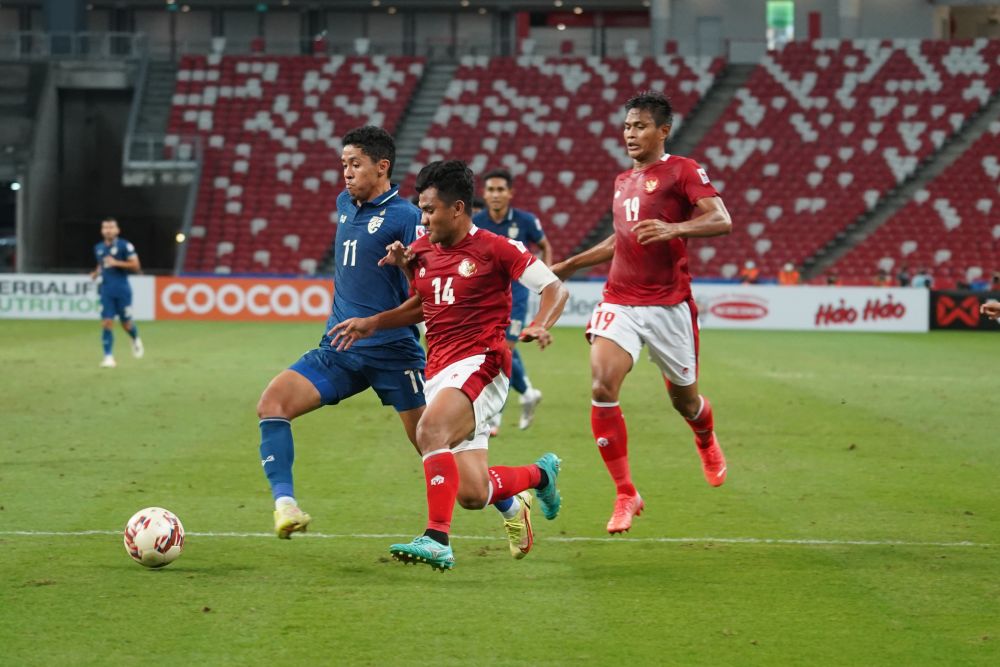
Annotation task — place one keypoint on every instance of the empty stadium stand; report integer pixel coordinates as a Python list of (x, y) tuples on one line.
[(555, 123), (823, 130), (270, 128), (951, 227)]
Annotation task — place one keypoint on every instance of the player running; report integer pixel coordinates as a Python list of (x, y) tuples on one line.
[(461, 285), (116, 258), (503, 219), (370, 215), (658, 204)]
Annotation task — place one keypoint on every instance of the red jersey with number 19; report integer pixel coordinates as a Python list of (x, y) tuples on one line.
[(465, 290), (655, 274)]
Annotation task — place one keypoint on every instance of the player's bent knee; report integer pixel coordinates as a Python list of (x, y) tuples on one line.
[(602, 392), (472, 499)]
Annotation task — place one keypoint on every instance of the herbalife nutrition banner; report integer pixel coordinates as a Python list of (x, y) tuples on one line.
[(64, 297)]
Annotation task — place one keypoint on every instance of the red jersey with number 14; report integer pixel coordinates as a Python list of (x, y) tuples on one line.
[(465, 290), (655, 274)]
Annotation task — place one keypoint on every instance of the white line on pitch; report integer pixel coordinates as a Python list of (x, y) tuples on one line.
[(557, 538)]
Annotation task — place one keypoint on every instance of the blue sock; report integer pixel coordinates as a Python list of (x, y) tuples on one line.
[(277, 453), (517, 379), (108, 339), (504, 505), (134, 331)]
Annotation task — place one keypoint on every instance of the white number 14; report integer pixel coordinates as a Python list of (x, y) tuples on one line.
[(446, 295)]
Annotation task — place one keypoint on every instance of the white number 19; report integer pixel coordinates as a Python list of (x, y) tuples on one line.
[(631, 209)]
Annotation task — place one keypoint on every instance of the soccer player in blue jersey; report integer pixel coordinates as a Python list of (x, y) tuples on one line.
[(371, 215), (116, 258), (501, 218)]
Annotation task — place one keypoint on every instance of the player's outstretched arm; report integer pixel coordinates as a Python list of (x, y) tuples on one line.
[(599, 254), (554, 297), (991, 309), (344, 334), (714, 220)]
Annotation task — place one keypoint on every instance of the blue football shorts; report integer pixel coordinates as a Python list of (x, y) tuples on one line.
[(116, 304), (339, 375)]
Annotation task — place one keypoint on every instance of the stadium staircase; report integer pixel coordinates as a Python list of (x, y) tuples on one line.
[(157, 97), (824, 130), (945, 219)]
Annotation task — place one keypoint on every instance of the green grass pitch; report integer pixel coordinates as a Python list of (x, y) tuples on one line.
[(859, 524)]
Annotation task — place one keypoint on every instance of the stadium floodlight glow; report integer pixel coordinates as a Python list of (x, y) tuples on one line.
[(464, 3), (185, 8), (482, 10), (15, 186), (376, 3), (392, 10), (558, 3), (180, 238), (561, 26), (578, 10)]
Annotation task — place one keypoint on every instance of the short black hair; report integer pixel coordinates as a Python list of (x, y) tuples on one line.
[(655, 103), (109, 218), (374, 142), (499, 173), (452, 178)]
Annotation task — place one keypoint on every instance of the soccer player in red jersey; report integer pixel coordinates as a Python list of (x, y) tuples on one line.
[(461, 280), (659, 203)]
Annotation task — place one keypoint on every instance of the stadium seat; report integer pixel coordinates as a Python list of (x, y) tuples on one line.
[(270, 127)]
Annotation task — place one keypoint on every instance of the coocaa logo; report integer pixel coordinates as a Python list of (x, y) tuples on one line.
[(244, 299)]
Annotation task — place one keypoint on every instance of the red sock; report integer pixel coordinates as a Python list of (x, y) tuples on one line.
[(441, 475), (611, 436), (509, 481), (703, 424)]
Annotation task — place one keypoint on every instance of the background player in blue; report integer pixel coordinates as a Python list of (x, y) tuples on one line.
[(370, 215), (116, 258), (501, 218)]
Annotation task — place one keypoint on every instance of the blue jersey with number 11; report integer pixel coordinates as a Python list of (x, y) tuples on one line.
[(361, 287)]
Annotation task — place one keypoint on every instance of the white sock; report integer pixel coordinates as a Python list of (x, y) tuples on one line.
[(284, 501), (514, 508)]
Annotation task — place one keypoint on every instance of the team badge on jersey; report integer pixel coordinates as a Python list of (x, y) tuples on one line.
[(423, 271), (650, 185), (704, 176), (421, 230), (512, 231), (618, 193), (375, 223), (466, 268)]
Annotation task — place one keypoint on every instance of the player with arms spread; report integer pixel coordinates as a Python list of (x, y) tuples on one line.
[(116, 258), (659, 203), (503, 219), (371, 215), (461, 278)]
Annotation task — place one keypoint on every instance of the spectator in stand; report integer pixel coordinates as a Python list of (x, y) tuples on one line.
[(789, 275), (749, 274), (995, 283), (923, 278), (833, 279), (883, 279), (904, 276)]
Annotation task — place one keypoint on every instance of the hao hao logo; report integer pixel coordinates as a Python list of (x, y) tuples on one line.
[(738, 307)]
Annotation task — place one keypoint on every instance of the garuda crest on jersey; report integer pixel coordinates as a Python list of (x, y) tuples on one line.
[(375, 223), (466, 268), (650, 185)]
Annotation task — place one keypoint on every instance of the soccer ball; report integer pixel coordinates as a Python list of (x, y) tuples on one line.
[(154, 537)]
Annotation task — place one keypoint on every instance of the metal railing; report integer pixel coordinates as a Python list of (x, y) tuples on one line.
[(36, 45)]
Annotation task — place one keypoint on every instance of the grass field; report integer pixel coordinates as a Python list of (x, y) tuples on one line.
[(858, 526)]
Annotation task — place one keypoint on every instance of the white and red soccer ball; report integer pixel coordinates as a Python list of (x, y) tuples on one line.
[(154, 537)]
